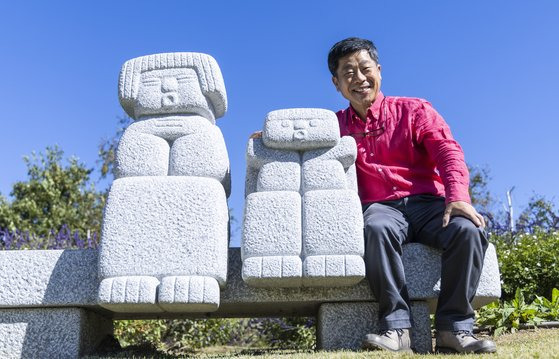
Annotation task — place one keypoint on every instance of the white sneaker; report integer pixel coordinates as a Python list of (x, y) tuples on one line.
[(462, 341), (395, 340)]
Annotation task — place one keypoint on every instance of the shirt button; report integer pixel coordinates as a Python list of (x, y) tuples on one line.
[(394, 188), (380, 169)]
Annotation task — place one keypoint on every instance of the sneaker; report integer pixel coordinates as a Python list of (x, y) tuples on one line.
[(462, 341), (395, 340)]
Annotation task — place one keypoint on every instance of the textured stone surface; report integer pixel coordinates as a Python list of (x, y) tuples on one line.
[(174, 146), (272, 224), (118, 292), (325, 169), (237, 299), (48, 278), (426, 283), (344, 325), (50, 332), (301, 155), (163, 226), (170, 83), (301, 129), (189, 293)]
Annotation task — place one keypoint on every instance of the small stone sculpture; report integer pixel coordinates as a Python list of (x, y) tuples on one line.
[(165, 230), (303, 223)]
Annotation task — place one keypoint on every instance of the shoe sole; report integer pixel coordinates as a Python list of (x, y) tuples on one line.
[(445, 350), (371, 346)]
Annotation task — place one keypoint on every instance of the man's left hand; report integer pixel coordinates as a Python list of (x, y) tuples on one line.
[(464, 209)]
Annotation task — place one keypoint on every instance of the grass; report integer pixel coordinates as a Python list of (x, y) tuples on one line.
[(535, 343)]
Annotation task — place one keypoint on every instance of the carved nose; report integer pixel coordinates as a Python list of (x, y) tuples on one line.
[(169, 84), (299, 125)]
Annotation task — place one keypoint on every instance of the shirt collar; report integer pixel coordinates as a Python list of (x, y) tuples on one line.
[(373, 113)]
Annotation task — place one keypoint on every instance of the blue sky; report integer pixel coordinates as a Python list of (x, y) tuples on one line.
[(489, 67)]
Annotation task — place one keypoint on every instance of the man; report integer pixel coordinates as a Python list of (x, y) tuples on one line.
[(413, 185)]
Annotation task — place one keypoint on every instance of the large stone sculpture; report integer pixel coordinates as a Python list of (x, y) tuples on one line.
[(165, 228), (303, 223)]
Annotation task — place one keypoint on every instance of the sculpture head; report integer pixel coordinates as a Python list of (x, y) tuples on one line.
[(172, 83), (301, 129)]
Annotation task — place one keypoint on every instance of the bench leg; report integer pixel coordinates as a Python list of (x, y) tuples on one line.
[(344, 325), (51, 332)]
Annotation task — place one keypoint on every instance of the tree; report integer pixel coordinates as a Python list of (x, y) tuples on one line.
[(53, 196), (540, 213), (479, 193), (107, 148)]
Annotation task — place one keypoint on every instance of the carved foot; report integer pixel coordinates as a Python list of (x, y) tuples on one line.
[(189, 294), (272, 271), (333, 270), (133, 294)]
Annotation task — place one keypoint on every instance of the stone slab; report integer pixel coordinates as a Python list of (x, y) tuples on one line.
[(237, 299), (33, 278), (344, 325), (50, 332)]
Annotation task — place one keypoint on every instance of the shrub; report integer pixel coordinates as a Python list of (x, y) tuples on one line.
[(182, 336), (528, 261), (61, 239)]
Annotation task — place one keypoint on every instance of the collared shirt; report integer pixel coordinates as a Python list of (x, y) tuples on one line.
[(404, 148)]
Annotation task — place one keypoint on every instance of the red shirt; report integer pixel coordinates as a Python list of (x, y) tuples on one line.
[(404, 148)]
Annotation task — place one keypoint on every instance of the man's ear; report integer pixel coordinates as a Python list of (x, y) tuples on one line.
[(335, 82), (379, 71)]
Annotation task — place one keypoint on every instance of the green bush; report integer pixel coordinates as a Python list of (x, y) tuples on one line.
[(182, 336), (530, 262), (504, 316)]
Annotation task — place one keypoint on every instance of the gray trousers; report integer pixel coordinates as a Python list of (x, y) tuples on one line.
[(418, 218)]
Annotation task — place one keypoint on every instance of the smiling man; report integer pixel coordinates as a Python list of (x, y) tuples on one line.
[(413, 185)]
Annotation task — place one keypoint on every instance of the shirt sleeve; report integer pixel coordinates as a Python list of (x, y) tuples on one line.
[(434, 134)]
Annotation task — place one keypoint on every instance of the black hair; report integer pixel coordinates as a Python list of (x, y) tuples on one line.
[(349, 46)]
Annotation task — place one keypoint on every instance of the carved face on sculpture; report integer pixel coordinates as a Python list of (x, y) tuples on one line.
[(170, 91), (301, 129)]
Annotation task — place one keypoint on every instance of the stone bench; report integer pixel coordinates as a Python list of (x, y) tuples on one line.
[(48, 302)]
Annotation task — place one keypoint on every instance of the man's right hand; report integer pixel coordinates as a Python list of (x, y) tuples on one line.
[(257, 134)]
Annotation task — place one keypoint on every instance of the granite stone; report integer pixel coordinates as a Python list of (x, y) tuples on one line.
[(344, 325), (301, 129), (166, 223), (46, 278), (36, 278), (160, 227), (301, 155), (51, 332), (190, 83)]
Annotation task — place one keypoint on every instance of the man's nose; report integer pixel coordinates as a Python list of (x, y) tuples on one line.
[(359, 76), (169, 84), (299, 125)]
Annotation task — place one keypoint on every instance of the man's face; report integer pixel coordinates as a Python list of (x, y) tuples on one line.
[(358, 79)]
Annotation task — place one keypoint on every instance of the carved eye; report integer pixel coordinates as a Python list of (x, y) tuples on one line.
[(151, 82), (314, 123), (186, 78), (285, 123)]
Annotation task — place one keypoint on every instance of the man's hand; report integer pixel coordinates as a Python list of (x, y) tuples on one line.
[(257, 134), (464, 209)]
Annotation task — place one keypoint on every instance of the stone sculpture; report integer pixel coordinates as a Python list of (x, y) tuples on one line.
[(302, 223), (165, 229)]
